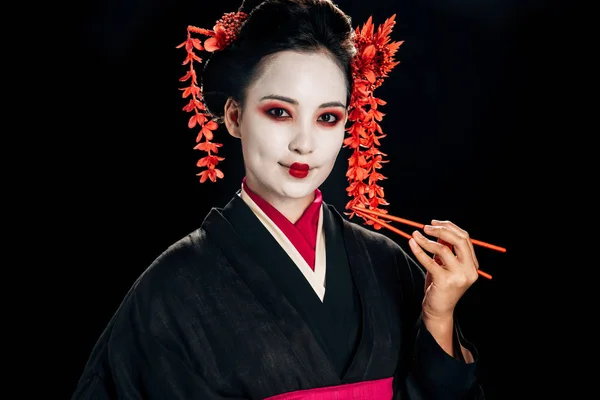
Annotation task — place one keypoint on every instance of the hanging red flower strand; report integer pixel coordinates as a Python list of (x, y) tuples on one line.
[(224, 32), (370, 66)]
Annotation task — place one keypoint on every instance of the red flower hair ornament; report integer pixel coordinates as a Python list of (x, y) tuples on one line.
[(371, 64)]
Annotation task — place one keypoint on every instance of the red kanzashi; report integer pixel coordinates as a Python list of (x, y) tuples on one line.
[(371, 64), (224, 32)]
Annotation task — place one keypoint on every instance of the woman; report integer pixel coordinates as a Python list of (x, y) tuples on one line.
[(277, 296)]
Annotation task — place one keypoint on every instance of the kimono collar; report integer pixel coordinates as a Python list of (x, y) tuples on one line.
[(302, 234)]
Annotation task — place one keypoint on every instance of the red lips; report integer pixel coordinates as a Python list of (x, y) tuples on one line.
[(299, 170)]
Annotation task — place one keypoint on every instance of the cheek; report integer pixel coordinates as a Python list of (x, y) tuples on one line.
[(263, 139), (333, 143)]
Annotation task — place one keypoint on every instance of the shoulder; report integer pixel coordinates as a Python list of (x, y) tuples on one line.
[(189, 257), (155, 309), (391, 258), (156, 298)]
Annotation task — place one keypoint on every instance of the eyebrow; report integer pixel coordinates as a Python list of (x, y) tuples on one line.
[(295, 102)]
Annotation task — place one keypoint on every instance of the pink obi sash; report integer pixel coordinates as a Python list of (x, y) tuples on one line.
[(379, 389)]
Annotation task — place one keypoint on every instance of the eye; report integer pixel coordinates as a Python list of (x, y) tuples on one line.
[(278, 112), (328, 118)]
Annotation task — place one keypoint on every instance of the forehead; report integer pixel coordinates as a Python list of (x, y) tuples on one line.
[(301, 76)]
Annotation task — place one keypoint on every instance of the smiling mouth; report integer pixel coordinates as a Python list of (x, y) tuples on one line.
[(298, 170)]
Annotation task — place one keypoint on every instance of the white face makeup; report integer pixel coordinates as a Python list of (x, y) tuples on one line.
[(294, 113)]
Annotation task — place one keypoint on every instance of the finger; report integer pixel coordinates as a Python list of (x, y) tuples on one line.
[(442, 251), (459, 230), (448, 223), (436, 257), (424, 259), (458, 241)]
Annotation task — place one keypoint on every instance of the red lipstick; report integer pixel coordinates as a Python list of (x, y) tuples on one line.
[(298, 170)]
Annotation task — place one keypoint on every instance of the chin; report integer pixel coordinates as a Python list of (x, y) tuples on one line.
[(299, 190)]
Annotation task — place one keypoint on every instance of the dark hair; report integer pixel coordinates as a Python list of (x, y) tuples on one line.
[(273, 26)]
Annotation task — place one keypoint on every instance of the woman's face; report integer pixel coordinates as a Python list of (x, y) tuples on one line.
[(293, 118)]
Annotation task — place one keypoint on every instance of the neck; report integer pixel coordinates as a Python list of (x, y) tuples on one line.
[(290, 208)]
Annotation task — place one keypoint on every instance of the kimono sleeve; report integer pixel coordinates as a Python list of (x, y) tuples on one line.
[(145, 371), (428, 371), (143, 355)]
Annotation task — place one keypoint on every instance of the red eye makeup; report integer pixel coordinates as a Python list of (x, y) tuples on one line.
[(275, 110)]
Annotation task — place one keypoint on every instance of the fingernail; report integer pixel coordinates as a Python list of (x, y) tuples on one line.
[(418, 234), (427, 227), (435, 221)]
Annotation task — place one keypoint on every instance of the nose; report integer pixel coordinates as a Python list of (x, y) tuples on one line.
[(303, 141)]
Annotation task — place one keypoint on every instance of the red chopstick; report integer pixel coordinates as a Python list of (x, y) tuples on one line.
[(365, 213), (420, 226)]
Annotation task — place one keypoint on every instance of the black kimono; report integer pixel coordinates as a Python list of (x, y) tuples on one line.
[(225, 314)]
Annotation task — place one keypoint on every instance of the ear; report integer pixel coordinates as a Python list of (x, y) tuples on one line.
[(232, 115)]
